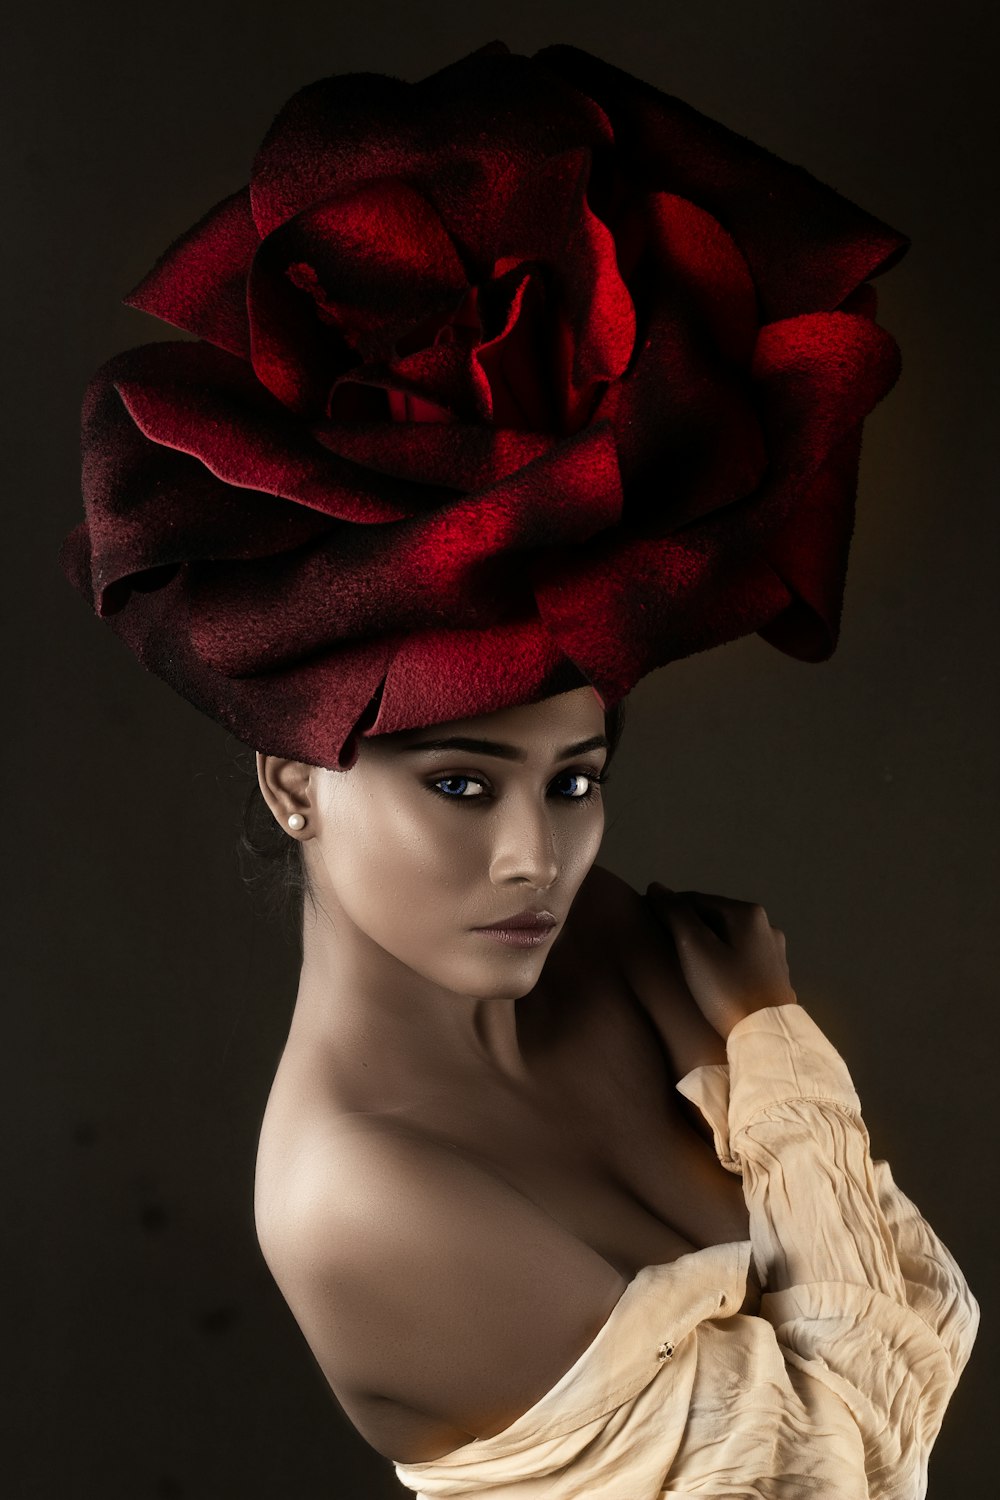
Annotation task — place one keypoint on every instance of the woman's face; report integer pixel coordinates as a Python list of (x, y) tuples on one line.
[(417, 846)]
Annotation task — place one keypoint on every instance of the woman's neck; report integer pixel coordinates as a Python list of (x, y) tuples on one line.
[(362, 1006)]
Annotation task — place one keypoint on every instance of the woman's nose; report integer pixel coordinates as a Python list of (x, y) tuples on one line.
[(525, 848)]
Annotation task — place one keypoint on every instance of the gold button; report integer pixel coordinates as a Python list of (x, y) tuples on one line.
[(665, 1350)]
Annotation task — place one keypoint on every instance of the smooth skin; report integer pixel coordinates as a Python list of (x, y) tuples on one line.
[(401, 999), (412, 849)]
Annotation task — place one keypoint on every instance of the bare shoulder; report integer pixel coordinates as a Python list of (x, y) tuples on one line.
[(424, 1284), (645, 957)]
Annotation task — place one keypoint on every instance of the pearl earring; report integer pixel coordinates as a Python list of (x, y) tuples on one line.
[(296, 820)]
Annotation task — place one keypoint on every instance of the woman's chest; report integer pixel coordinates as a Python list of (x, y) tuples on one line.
[(609, 1151)]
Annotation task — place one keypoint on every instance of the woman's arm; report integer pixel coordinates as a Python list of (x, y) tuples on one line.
[(424, 1283), (862, 1295)]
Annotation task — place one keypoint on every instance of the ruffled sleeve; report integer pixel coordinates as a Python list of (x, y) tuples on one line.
[(860, 1291)]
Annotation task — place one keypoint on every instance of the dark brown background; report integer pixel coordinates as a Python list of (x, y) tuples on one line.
[(146, 1351)]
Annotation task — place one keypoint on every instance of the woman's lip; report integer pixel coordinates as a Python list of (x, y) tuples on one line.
[(520, 937), (521, 924)]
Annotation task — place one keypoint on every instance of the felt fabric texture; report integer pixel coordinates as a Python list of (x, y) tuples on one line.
[(517, 377), (834, 1385)]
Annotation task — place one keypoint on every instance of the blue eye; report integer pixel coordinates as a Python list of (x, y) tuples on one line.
[(452, 795), (592, 777)]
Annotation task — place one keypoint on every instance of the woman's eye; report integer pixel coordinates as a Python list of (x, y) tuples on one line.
[(582, 787), (449, 781), (580, 784)]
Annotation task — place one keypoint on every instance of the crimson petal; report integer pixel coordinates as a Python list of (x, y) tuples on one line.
[(817, 376), (187, 398), (549, 220), (378, 262), (446, 377), (620, 610), (464, 565), (150, 509), (806, 244), (445, 674), (685, 412), (810, 554), (305, 712), (345, 130), (463, 456), (199, 283)]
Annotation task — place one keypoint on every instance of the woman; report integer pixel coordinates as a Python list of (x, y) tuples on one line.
[(510, 387), (415, 1029), (474, 1147)]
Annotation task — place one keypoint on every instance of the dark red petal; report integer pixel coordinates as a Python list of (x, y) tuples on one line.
[(810, 554), (806, 244), (445, 377), (685, 412), (149, 509), (453, 136), (440, 675), (200, 282), (464, 565), (548, 221), (185, 397), (463, 456), (515, 366), (816, 377), (688, 457), (376, 261), (620, 610), (692, 253), (294, 354), (305, 712)]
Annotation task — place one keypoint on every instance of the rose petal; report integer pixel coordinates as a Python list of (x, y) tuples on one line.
[(149, 509), (348, 129), (810, 553), (692, 254), (620, 610), (378, 263), (440, 675), (305, 712), (515, 366), (186, 397), (463, 456), (445, 377), (816, 377), (347, 280), (806, 244), (199, 283), (294, 354), (464, 565), (685, 412), (548, 221)]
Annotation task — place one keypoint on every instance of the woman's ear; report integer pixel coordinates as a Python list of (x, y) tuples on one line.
[(285, 787)]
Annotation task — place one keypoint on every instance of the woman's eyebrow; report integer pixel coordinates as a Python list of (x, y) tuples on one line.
[(505, 752)]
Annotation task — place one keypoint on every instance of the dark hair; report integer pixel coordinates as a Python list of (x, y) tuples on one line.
[(272, 863)]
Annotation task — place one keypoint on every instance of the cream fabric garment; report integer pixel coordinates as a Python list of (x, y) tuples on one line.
[(835, 1388)]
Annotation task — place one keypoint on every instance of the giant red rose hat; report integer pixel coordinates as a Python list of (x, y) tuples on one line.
[(522, 375)]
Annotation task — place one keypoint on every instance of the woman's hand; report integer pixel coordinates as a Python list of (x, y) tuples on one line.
[(733, 959)]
